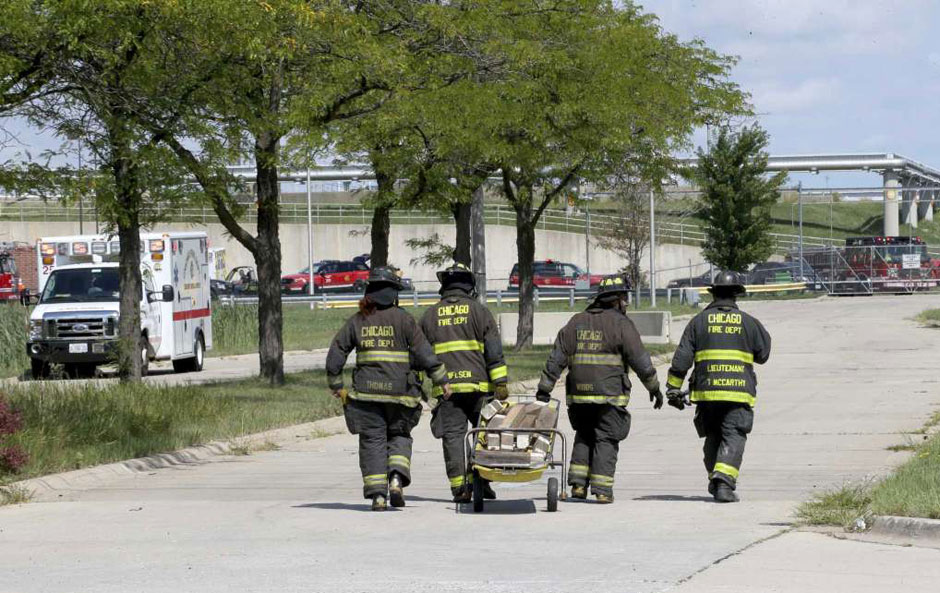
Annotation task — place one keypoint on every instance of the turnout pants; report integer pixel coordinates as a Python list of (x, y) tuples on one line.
[(384, 431), (725, 426), (449, 423), (598, 430)]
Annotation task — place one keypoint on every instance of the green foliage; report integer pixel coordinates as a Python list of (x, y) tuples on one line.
[(13, 327), (737, 197), (435, 253), (837, 507)]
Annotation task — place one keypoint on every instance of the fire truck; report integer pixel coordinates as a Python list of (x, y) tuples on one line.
[(873, 264), (892, 264), (11, 285)]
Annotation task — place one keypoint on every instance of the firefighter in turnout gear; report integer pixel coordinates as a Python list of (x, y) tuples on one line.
[(721, 345), (598, 346), (465, 337), (386, 402)]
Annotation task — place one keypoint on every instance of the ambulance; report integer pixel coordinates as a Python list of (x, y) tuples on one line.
[(75, 322)]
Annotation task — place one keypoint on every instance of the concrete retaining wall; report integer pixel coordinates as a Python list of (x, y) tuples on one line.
[(344, 241), (654, 326)]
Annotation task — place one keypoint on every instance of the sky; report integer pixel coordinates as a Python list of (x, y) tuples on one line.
[(828, 76), (825, 76)]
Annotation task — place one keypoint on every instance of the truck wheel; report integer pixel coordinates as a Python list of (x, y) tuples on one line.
[(194, 363), (39, 369), (144, 356)]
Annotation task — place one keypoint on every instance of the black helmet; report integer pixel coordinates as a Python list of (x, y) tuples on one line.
[(611, 285), (456, 273), (729, 279), (385, 275)]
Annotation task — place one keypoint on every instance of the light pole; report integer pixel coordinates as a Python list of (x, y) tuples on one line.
[(309, 233), (799, 197), (652, 249)]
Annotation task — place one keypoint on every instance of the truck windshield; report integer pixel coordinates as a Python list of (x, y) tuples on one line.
[(82, 286)]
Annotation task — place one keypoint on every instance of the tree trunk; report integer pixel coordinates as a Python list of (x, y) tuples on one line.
[(268, 261), (525, 252), (128, 194), (381, 221), (461, 212), (478, 243)]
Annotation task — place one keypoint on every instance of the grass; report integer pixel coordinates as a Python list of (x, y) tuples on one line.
[(72, 426), (235, 328), (14, 495), (13, 320), (912, 490), (929, 316)]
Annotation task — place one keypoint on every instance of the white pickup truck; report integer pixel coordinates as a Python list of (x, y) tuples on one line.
[(76, 319)]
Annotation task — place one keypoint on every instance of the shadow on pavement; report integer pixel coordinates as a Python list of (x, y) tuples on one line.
[(502, 507), (675, 498), (363, 507)]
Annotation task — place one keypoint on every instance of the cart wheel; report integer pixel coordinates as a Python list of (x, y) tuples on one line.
[(477, 493), (552, 495)]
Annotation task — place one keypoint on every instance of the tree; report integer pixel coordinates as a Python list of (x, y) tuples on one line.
[(736, 198), (628, 234), (594, 87), (81, 69), (286, 68)]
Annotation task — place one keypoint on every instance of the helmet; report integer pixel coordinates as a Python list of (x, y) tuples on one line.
[(729, 279), (456, 273), (611, 285), (385, 275)]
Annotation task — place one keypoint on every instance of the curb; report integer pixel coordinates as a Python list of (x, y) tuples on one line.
[(911, 528), (55, 485)]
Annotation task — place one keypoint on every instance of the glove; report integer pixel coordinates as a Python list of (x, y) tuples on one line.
[(341, 394), (543, 396), (501, 391), (657, 398), (676, 398)]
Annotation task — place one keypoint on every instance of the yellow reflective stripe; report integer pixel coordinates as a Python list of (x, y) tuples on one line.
[(405, 400), (728, 470), (597, 359), (724, 396), (458, 346), (375, 479), (578, 469), (739, 355), (602, 480), (498, 372), (616, 400), (674, 381), (458, 481), (382, 356), (399, 460), (482, 387)]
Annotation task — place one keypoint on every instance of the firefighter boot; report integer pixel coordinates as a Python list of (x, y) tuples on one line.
[(378, 503), (463, 495), (396, 491), (724, 493), (488, 492), (579, 492), (604, 498)]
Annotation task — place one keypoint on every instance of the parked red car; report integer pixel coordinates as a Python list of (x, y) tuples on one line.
[(328, 275), (554, 274)]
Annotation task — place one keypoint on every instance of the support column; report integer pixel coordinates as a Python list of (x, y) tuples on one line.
[(925, 206), (891, 184), (909, 202)]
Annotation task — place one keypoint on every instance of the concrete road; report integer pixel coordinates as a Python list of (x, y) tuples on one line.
[(846, 377)]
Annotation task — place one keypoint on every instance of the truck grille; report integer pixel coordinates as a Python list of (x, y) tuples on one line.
[(84, 327)]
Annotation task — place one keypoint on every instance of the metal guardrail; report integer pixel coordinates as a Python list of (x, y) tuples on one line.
[(756, 288), (667, 231)]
